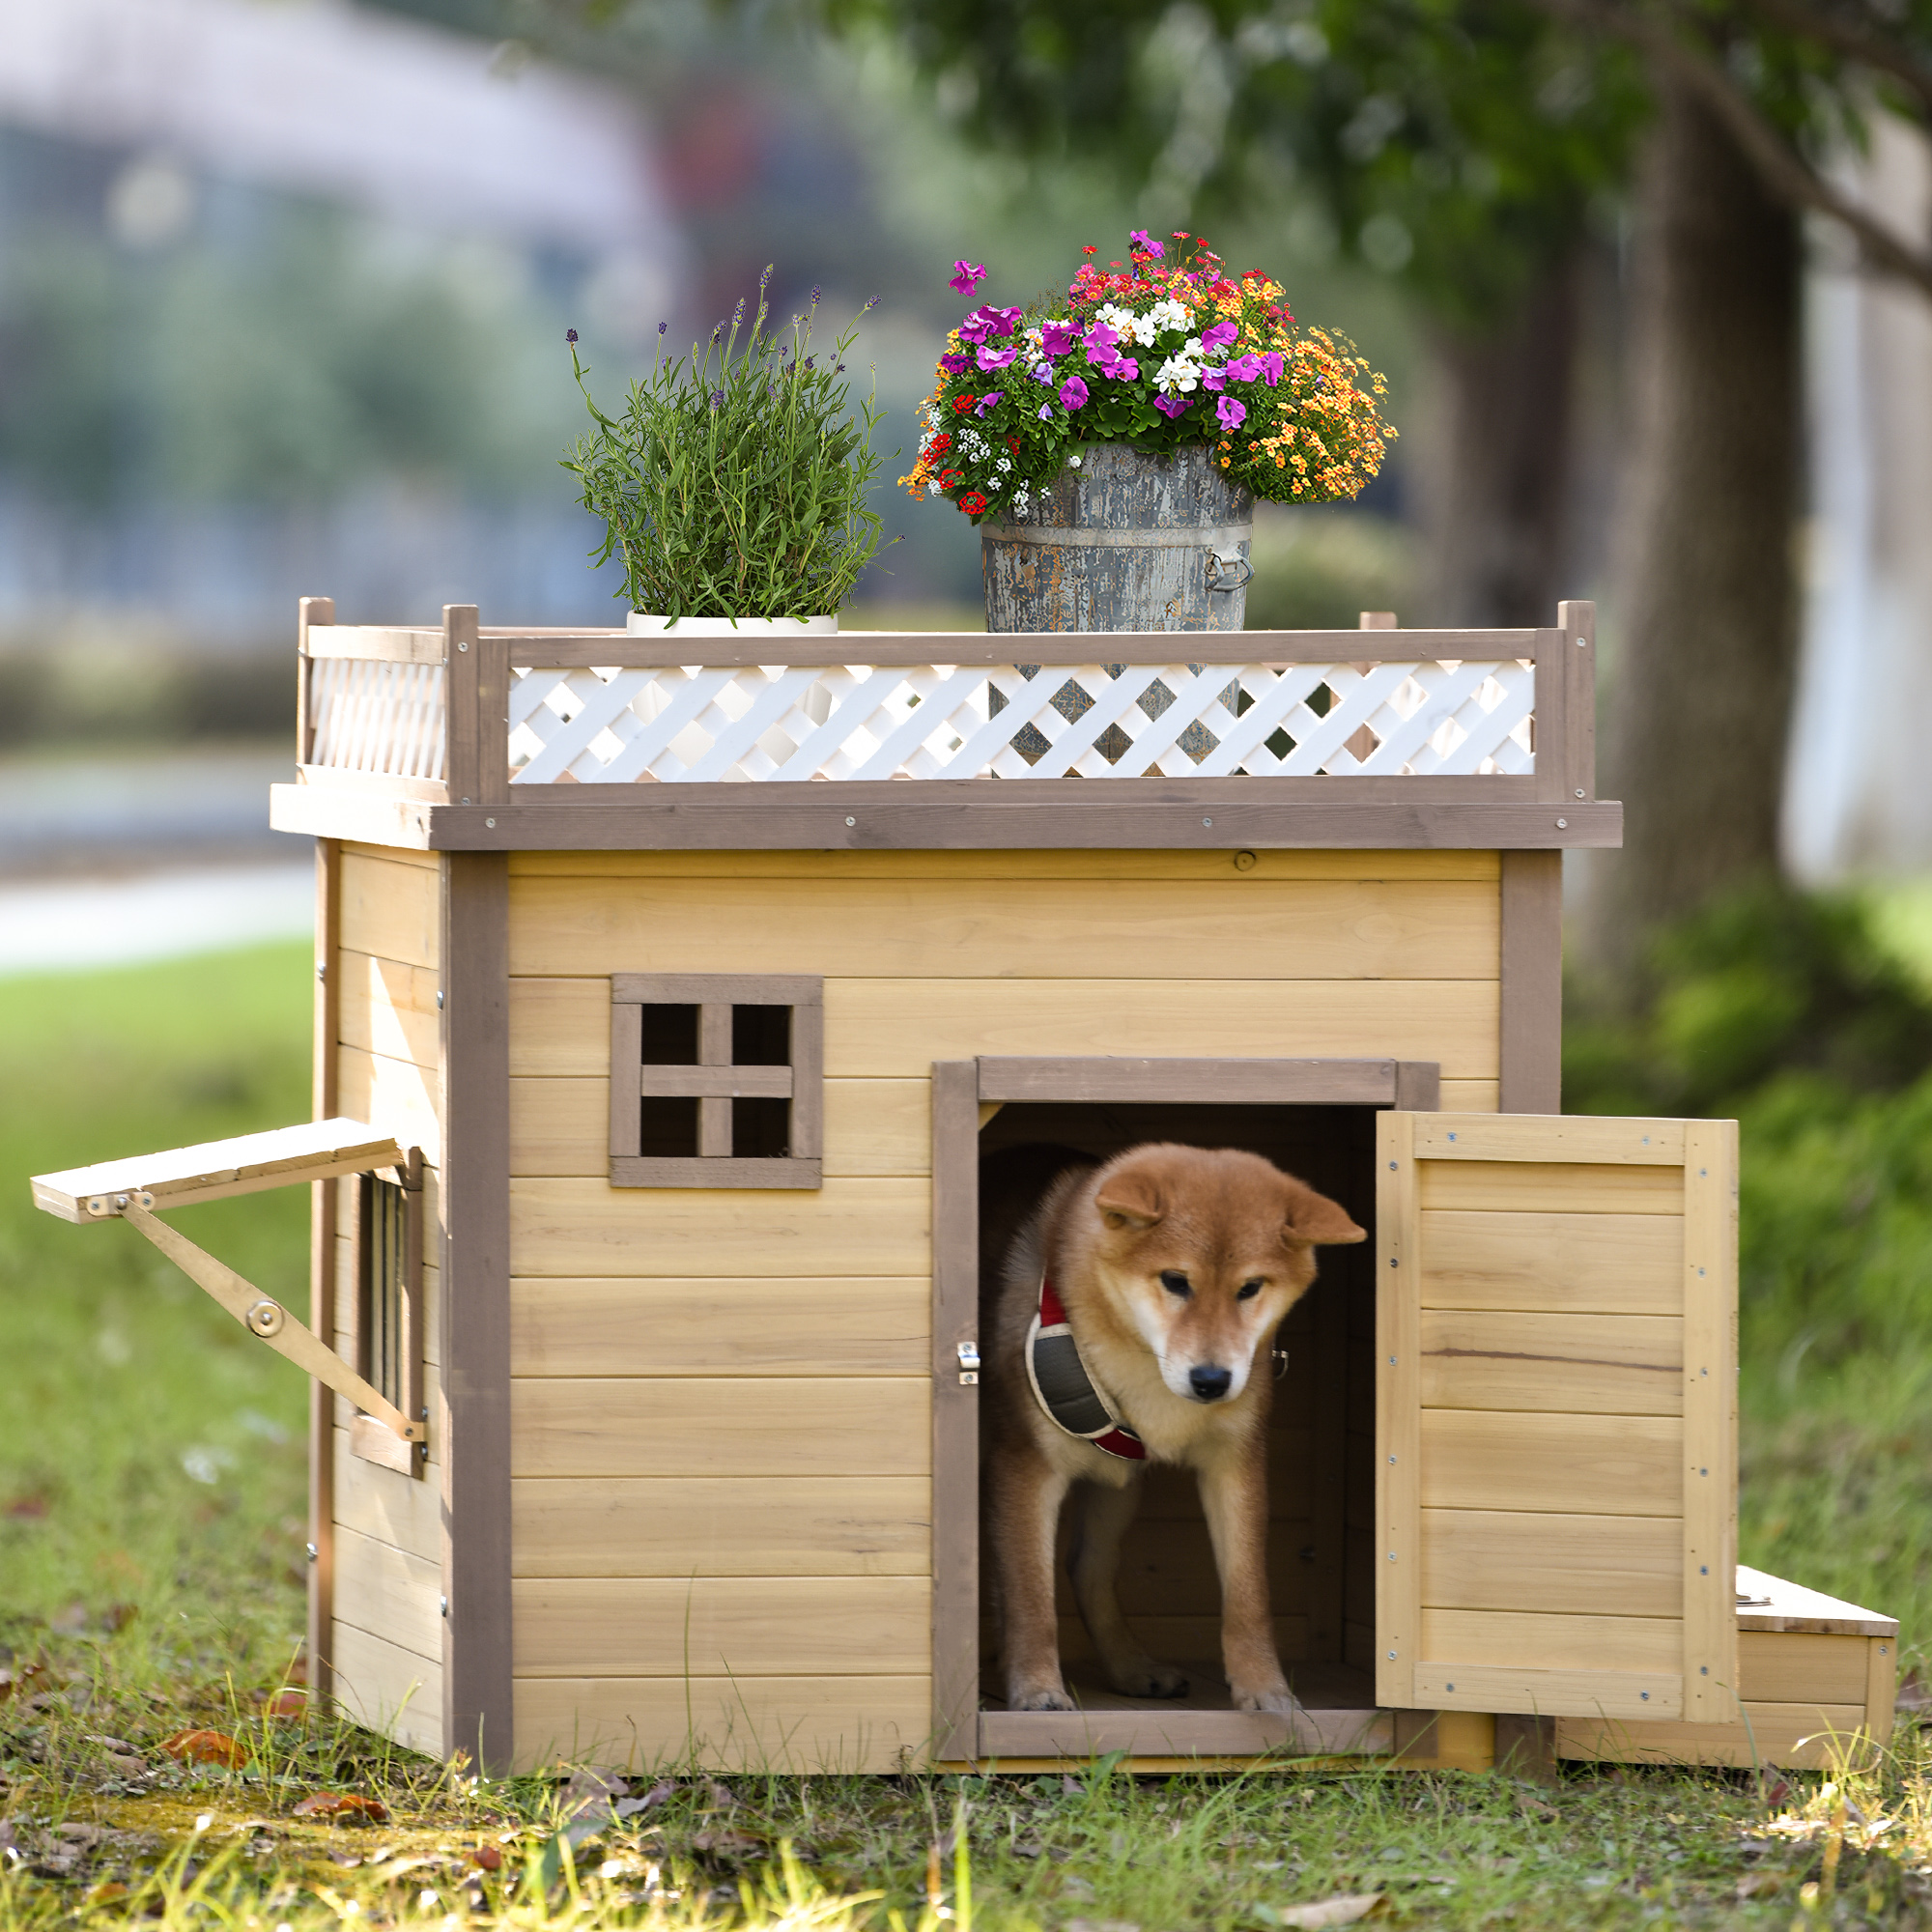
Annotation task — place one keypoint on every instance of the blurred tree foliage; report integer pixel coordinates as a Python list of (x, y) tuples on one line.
[(285, 370)]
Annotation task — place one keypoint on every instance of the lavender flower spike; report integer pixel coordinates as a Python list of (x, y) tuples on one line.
[(569, 334)]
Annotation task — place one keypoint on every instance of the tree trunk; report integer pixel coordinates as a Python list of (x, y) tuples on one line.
[(1496, 476), (1706, 614)]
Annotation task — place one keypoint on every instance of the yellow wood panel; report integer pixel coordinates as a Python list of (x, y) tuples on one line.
[(1563, 1565), (1796, 1737), (1551, 1187), (389, 1009), (1542, 1138), (1881, 1686), (706, 1426), (1514, 1638), (588, 1228), (1793, 1667), (717, 1626), (1018, 865), (385, 1506), (1229, 928), (751, 1326), (1593, 1464), (395, 855), (895, 1029), (393, 1095), (872, 1126), (1574, 1364), (1472, 1096), (1524, 1688), (769, 1526), (1579, 1263), (393, 911), (389, 1592), (388, 1689), (797, 1725)]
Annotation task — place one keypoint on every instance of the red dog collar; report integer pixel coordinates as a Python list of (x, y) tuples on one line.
[(1065, 1390)]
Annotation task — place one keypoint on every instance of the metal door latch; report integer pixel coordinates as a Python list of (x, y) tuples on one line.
[(969, 1364), (1228, 570)]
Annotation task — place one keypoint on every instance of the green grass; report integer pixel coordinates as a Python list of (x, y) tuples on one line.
[(151, 1576)]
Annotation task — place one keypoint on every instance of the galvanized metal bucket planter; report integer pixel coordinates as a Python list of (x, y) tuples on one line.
[(1130, 541)]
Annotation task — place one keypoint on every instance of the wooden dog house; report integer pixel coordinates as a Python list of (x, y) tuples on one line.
[(664, 1015)]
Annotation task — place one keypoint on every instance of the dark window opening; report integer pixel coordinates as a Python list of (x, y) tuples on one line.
[(669, 1037), (761, 1036), (667, 1127)]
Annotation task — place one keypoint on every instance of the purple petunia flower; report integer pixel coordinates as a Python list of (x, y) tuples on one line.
[(1213, 379), (966, 276), (956, 365), (1122, 368), (1233, 414), (1045, 411), (1172, 406), (986, 402), (1057, 337), (1271, 366), (1042, 372), (1099, 341), (1243, 368), (1220, 335), (1146, 244), (996, 359), (974, 328), (1072, 394)]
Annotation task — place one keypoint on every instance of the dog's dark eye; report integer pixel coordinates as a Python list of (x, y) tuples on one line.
[(1176, 1284), (1247, 1290)]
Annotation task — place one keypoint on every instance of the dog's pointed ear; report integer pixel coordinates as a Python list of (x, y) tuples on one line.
[(1314, 1219), (1131, 1199)]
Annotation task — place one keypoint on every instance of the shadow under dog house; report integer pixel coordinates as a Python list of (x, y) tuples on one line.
[(664, 1011)]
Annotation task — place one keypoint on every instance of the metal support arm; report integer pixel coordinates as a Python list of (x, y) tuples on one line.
[(263, 1316)]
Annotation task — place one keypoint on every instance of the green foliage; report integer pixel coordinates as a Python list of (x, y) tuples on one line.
[(286, 371), (1318, 570), (151, 1452), (736, 488)]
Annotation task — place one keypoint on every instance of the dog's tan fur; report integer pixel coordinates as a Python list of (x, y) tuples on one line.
[(1107, 1234)]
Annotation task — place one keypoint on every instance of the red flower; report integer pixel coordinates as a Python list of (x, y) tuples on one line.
[(1013, 443), (1091, 248), (962, 404), (973, 503), (940, 443)]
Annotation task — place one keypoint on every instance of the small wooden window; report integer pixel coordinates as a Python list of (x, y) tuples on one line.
[(389, 1307), (716, 1080)]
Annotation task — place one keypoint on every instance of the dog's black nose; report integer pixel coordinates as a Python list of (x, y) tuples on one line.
[(1210, 1385)]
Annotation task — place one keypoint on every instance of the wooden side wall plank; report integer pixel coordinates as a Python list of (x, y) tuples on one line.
[(1792, 1667), (1590, 1465), (1556, 1564), (390, 1008), (388, 1689), (744, 1626), (1570, 1187), (1710, 1447), (1591, 1138), (1530, 1041), (1399, 1556), (391, 911), (395, 1095), (583, 1227), (797, 1725), (1569, 1694), (684, 1526), (1795, 1737), (389, 1592), (1566, 1364), (477, 1408), (715, 1426), (386, 1507), (1563, 1264), (1015, 928), (742, 1325), (323, 1195), (894, 1029), (1648, 1645)]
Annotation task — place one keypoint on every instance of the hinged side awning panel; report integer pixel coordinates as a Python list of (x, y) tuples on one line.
[(214, 1170)]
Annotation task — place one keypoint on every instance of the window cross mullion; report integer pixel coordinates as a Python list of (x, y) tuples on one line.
[(714, 1049)]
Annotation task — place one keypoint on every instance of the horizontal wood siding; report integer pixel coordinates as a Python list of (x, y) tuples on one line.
[(721, 1403), (388, 1629)]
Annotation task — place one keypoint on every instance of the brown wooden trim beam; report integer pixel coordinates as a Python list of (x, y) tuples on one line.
[(1530, 1043), (715, 1083), (474, 1197), (1254, 1082), (1049, 815)]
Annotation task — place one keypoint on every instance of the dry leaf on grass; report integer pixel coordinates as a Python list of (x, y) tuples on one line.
[(487, 1858), (1344, 1908), (205, 1747), (348, 1807), (286, 1703)]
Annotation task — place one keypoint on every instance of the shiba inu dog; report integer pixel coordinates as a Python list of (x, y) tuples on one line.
[(1130, 1307)]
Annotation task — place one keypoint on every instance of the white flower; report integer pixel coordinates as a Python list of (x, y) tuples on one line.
[(1167, 313), (1073, 462), (932, 489), (1001, 467), (1178, 372)]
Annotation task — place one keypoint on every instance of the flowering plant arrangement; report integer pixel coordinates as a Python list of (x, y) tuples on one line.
[(1161, 352), (736, 488)]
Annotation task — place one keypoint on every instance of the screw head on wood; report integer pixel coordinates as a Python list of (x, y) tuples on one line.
[(266, 1318), (1562, 824)]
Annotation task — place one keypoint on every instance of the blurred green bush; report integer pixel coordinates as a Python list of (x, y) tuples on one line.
[(1318, 570)]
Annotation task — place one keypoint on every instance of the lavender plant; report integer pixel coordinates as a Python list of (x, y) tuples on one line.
[(735, 484)]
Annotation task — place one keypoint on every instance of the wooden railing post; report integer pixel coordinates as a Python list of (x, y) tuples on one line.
[(308, 610), (1577, 622), (461, 681)]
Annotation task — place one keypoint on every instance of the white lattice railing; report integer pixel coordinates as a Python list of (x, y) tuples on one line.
[(368, 716), (689, 725)]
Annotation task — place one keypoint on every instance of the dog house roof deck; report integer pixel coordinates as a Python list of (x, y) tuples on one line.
[(467, 737)]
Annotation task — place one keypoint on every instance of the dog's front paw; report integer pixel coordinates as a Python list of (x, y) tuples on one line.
[(1040, 1697), (1275, 1696), (1145, 1678)]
